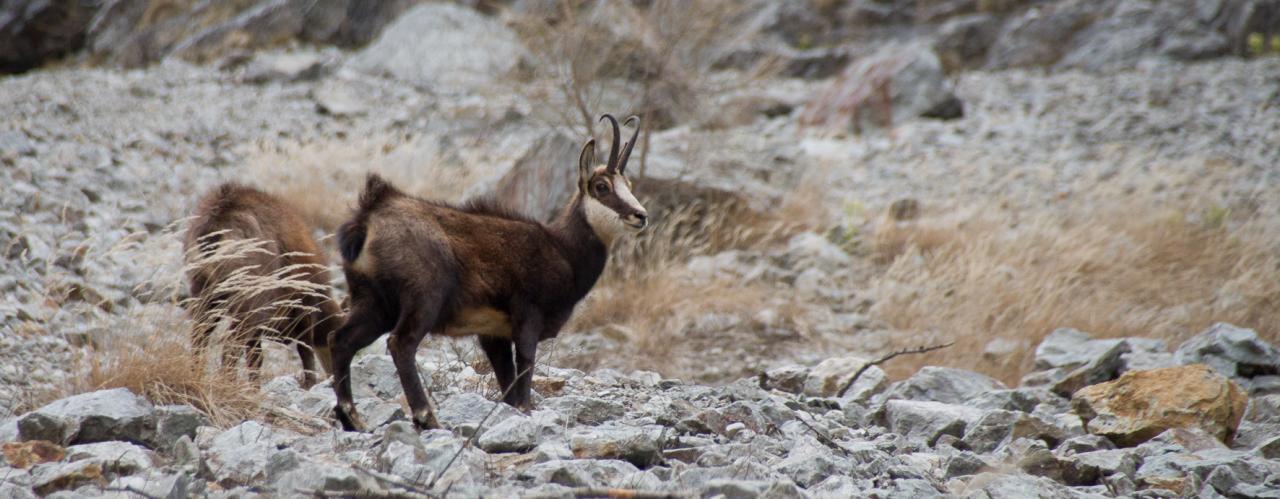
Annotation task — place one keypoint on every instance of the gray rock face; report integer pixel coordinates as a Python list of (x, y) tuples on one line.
[(442, 46), (1234, 352), (943, 384), (916, 88), (99, 416), (998, 428), (541, 182)]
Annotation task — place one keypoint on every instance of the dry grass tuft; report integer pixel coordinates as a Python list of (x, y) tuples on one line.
[(1118, 268), (648, 296), (147, 348)]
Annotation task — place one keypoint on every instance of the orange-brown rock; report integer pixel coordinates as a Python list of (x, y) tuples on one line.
[(23, 455), (1141, 404)]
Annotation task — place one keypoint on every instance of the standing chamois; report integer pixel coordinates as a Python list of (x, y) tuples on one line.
[(239, 238), (416, 267)]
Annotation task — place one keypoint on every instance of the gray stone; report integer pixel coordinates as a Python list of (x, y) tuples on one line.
[(997, 428), (926, 420), (1085, 443), (584, 410), (52, 477), (465, 411), (964, 464), (514, 434), (374, 375), (1261, 421), (789, 378), (1234, 352), (1015, 399), (338, 98), (306, 476), (176, 421), (830, 376), (810, 462), (642, 446), (580, 472), (942, 384), (1105, 366), (998, 486), (1105, 463), (377, 412), (115, 457), (734, 489), (159, 484), (283, 67), (443, 46), (240, 455), (104, 415)]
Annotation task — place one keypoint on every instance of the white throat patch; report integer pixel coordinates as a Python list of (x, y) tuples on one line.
[(603, 221)]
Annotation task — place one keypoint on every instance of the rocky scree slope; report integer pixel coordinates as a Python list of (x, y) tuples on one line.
[(1208, 428)]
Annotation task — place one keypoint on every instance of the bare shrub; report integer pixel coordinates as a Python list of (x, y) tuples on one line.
[(1117, 268), (586, 56)]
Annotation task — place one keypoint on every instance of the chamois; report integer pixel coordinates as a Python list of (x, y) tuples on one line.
[(416, 266), (268, 238)]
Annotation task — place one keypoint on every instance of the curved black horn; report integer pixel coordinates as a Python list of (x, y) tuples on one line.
[(626, 150), (613, 146)]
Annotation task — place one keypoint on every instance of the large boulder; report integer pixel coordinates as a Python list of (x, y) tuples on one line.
[(1142, 404), (962, 43), (641, 446), (542, 181), (892, 86), (104, 415), (443, 46)]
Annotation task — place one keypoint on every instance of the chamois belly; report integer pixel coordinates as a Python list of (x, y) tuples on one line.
[(479, 321)]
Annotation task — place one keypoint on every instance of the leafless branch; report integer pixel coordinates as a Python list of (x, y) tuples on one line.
[(889, 357)]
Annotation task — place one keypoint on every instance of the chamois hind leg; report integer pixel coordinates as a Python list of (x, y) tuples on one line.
[(415, 323), (527, 335), (362, 327), (498, 350)]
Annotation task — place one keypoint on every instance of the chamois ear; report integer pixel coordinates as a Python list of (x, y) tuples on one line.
[(585, 162)]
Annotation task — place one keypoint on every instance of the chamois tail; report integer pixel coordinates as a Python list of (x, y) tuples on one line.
[(351, 235)]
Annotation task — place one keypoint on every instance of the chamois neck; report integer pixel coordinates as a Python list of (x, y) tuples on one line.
[(580, 244)]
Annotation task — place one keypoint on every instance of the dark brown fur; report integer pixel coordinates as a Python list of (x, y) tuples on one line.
[(416, 267), (233, 212)]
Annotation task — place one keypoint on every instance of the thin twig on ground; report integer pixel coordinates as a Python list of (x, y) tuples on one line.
[(887, 358), (822, 437)]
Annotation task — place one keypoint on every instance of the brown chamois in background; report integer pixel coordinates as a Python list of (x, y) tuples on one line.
[(415, 267), (240, 235)]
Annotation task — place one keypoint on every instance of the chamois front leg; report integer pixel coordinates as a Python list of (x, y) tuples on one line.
[(528, 333), (498, 350)]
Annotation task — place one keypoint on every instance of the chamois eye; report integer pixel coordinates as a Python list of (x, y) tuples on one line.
[(602, 188)]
